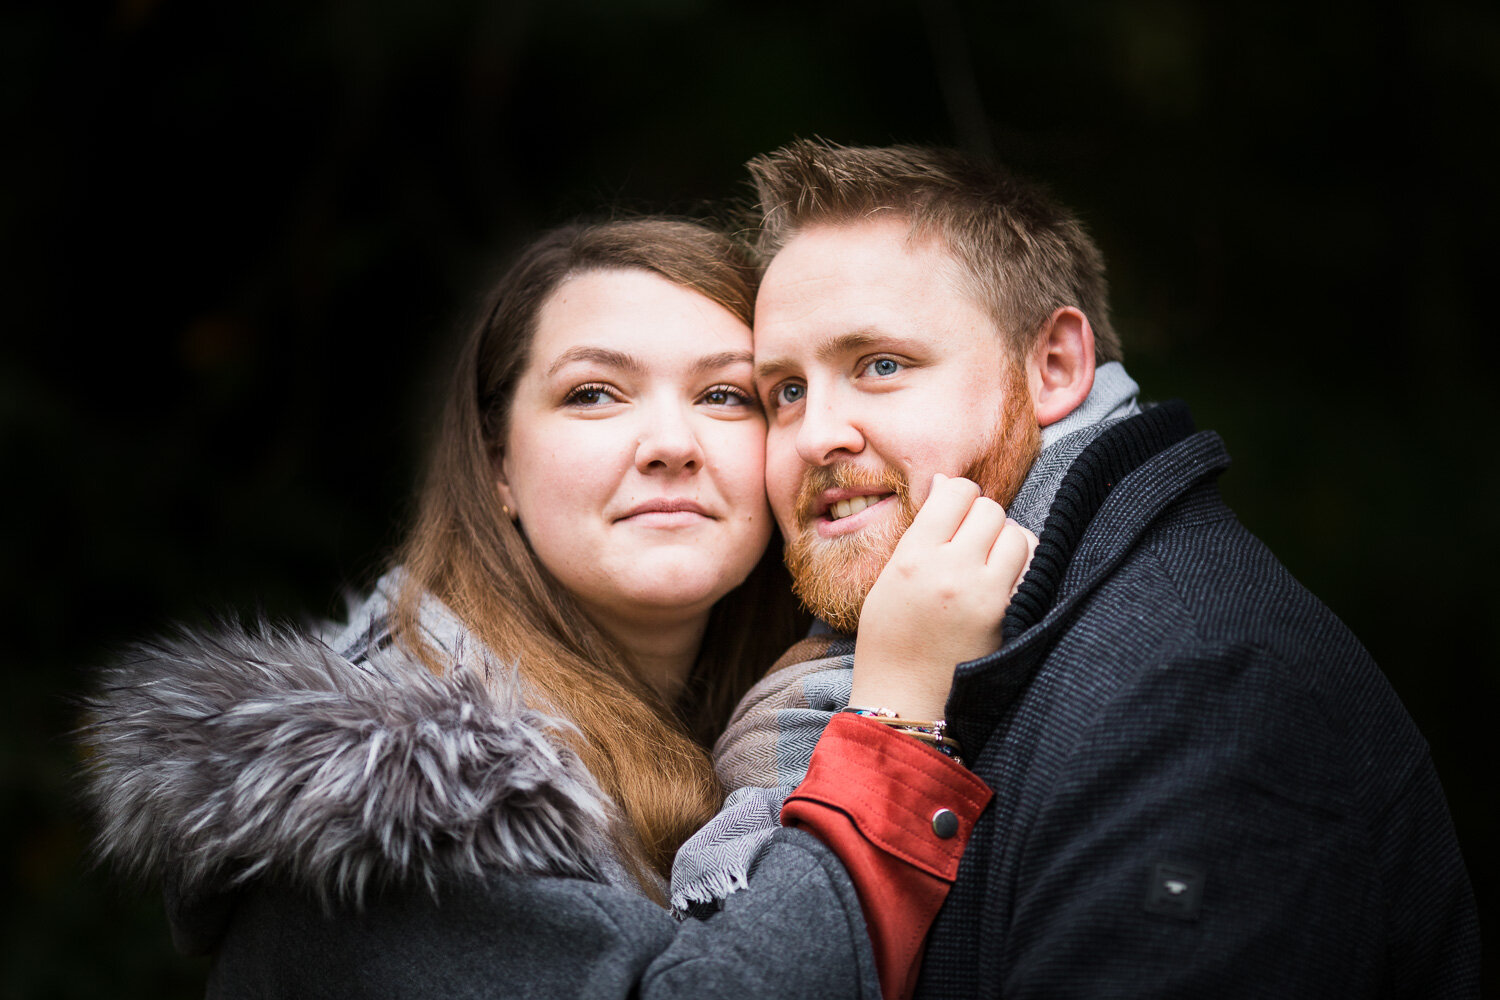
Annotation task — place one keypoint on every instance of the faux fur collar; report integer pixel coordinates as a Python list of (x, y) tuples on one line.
[(217, 758)]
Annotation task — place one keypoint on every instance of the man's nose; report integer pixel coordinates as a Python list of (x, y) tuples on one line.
[(827, 432), (667, 440)]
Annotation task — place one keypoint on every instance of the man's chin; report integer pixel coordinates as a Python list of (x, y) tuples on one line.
[(839, 612), (832, 579)]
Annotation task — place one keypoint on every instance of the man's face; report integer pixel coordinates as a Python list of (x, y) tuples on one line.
[(876, 372)]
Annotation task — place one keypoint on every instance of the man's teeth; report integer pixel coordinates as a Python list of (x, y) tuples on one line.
[(845, 508)]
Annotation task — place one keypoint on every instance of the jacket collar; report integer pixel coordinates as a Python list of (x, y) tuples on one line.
[(1110, 495)]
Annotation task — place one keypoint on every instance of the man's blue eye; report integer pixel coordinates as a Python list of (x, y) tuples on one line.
[(884, 366), (789, 393)]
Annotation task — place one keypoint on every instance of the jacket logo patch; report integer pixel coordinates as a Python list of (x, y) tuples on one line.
[(1175, 890)]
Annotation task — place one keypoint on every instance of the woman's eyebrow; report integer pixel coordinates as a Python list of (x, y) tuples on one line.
[(598, 355), (630, 363), (722, 360)]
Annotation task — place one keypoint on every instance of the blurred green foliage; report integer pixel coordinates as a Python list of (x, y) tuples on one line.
[(239, 237)]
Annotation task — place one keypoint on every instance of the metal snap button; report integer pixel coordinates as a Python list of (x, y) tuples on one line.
[(945, 824)]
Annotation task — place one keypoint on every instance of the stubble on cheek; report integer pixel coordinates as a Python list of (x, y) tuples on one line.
[(1005, 460)]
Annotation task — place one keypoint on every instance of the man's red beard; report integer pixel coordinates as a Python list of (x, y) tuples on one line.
[(832, 576)]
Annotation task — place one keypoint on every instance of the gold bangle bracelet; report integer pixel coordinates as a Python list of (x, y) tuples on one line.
[(933, 732)]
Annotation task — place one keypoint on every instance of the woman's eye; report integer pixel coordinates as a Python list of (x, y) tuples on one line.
[(788, 393), (591, 394), (883, 367), (726, 395)]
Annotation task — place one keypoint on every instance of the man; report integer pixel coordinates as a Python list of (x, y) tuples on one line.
[(1203, 785)]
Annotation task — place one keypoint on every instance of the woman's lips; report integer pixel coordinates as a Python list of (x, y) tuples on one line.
[(666, 512)]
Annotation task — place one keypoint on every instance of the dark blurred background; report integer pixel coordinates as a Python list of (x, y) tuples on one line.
[(239, 238)]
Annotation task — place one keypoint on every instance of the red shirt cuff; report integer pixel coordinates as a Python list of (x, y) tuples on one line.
[(892, 788), (898, 814)]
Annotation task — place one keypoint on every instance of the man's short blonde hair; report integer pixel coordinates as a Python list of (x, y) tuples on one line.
[(1021, 255)]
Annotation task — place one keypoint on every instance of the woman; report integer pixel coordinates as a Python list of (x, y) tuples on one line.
[(477, 787)]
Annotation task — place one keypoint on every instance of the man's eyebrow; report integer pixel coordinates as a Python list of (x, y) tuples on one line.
[(598, 355), (829, 350), (770, 368)]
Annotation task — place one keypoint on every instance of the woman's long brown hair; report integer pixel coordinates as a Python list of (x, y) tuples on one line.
[(647, 755)]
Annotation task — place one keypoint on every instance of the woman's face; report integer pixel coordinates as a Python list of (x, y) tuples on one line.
[(635, 454)]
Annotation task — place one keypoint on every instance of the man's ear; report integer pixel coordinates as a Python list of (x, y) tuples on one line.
[(1060, 370)]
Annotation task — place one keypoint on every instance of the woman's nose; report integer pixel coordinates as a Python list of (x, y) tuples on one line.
[(668, 441)]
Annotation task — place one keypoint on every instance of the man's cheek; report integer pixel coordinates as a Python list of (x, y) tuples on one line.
[(784, 510), (783, 473), (781, 493)]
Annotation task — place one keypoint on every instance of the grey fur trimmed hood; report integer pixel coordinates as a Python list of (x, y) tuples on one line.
[(216, 758)]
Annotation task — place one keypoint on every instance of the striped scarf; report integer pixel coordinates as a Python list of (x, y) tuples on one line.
[(761, 758)]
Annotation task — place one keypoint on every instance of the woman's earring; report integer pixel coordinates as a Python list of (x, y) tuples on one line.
[(509, 513)]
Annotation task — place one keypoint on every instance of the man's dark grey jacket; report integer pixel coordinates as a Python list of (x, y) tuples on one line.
[(1203, 785)]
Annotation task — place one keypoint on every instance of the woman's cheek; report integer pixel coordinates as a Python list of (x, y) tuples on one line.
[(747, 466)]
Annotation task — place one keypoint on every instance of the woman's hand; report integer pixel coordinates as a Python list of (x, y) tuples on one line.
[(939, 601)]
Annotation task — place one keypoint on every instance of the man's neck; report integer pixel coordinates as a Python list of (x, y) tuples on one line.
[(1112, 398)]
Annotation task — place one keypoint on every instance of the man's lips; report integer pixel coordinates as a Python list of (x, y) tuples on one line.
[(835, 505), (847, 512)]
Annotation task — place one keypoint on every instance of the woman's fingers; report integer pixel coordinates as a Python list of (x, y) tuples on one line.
[(970, 527), (943, 511), (980, 528), (1012, 552)]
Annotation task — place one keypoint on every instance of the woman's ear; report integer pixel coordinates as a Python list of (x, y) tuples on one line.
[(1061, 367), (502, 485)]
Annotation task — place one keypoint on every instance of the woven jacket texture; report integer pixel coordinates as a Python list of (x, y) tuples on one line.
[(1204, 787)]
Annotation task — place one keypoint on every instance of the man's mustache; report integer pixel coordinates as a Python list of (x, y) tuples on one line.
[(819, 478)]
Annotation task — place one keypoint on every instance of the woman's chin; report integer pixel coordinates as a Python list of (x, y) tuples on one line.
[(665, 589)]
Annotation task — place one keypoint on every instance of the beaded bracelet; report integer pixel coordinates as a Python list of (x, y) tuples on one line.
[(933, 733)]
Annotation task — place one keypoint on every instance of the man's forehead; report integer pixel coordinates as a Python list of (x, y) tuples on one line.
[(852, 241), (834, 288), (831, 261)]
